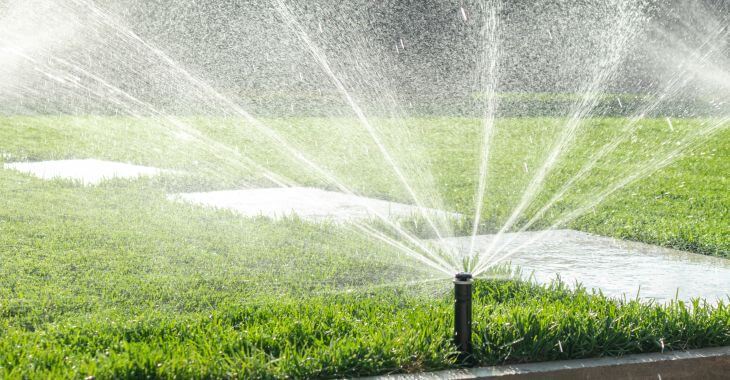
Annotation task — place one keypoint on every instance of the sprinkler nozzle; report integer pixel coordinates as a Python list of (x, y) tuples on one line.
[(462, 315)]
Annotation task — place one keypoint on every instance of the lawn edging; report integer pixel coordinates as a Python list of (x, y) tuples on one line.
[(704, 363)]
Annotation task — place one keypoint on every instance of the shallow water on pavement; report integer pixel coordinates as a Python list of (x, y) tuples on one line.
[(86, 171), (616, 267)]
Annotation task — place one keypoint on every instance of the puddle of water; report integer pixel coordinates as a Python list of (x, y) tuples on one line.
[(87, 171), (307, 203), (616, 267)]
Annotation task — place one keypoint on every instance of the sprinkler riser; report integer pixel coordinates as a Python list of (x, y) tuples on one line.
[(462, 315)]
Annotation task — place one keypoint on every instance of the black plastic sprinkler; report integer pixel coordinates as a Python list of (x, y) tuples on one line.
[(462, 315)]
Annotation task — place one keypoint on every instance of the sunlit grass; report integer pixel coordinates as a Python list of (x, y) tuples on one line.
[(684, 205), (350, 335), (117, 281)]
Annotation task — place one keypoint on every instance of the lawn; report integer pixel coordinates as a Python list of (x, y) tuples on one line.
[(117, 281)]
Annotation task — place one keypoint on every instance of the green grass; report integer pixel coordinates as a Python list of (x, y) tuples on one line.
[(116, 281), (351, 335), (684, 205)]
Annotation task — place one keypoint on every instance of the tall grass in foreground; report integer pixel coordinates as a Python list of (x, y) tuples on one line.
[(383, 331)]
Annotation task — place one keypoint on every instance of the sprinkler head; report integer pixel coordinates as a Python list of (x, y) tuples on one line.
[(462, 316)]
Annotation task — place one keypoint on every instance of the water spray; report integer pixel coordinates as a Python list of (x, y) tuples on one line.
[(462, 315)]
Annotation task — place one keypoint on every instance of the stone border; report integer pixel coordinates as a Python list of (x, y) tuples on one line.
[(706, 363)]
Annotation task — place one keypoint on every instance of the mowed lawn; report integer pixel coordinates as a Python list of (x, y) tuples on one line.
[(117, 281), (684, 205)]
